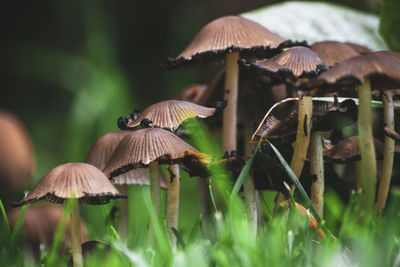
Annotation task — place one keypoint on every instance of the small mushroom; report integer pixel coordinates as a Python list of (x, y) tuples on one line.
[(192, 93), (333, 52), (80, 181)]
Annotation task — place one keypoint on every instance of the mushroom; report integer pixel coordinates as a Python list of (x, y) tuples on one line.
[(149, 146), (98, 156), (17, 161), (366, 72), (37, 231), (192, 93), (333, 52), (80, 181)]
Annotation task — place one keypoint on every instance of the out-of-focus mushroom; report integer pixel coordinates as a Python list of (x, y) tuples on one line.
[(333, 52), (313, 222), (360, 49), (80, 181), (36, 230), (192, 93), (17, 161)]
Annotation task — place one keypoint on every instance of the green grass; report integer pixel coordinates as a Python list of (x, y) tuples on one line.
[(226, 238)]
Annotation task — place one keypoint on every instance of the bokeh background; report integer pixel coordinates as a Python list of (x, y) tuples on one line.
[(69, 69)]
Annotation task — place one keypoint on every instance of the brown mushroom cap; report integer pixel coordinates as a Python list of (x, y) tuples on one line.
[(73, 180), (332, 52), (192, 93), (348, 150), (296, 62), (383, 72), (360, 49), (228, 34), (40, 224), (17, 162), (141, 147), (101, 151), (171, 114), (395, 55)]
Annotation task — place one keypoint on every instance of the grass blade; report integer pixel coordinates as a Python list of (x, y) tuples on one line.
[(18, 223), (6, 223)]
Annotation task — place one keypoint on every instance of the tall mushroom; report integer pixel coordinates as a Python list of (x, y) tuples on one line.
[(80, 181), (98, 156), (366, 72), (151, 146)]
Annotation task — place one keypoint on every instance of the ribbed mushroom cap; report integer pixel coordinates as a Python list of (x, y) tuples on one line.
[(281, 119), (101, 151), (17, 161), (395, 55), (348, 150), (170, 114), (296, 62), (332, 52), (360, 49), (73, 180), (141, 147), (383, 72), (227, 34)]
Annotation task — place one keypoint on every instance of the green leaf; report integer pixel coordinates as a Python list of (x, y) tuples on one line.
[(389, 23)]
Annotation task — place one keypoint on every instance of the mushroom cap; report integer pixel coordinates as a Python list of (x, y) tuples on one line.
[(73, 180), (395, 55), (348, 150), (296, 62), (228, 34), (141, 147), (101, 151), (17, 161), (333, 52), (360, 49), (313, 222), (171, 114), (192, 93), (383, 71), (281, 119)]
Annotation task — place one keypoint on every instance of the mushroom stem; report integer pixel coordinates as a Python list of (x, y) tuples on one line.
[(250, 196), (317, 169), (229, 123), (388, 152), (173, 201), (155, 186), (76, 242), (302, 140), (357, 167), (368, 158), (123, 211)]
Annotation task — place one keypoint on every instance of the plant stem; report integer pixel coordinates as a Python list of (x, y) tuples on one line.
[(123, 211), (368, 159), (250, 196), (357, 168), (155, 186), (317, 169), (76, 242), (229, 123), (173, 201), (388, 152), (302, 140)]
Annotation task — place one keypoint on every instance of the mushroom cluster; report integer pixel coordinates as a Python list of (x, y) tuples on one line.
[(315, 98)]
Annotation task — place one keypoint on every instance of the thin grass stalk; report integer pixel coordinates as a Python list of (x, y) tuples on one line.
[(317, 169), (173, 201), (388, 152), (368, 158), (302, 140), (76, 242), (229, 129), (357, 168)]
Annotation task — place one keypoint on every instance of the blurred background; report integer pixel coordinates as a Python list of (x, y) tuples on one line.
[(69, 69)]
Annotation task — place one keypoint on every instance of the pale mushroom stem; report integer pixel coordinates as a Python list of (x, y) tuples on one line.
[(388, 152), (123, 211), (173, 201), (368, 158), (229, 123), (250, 196), (302, 140), (155, 186), (317, 169), (76, 242)]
